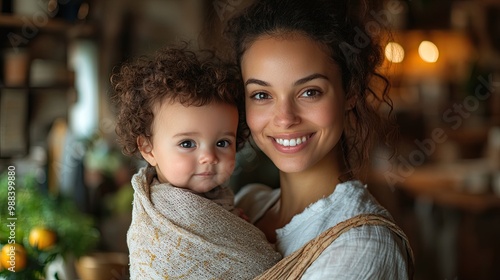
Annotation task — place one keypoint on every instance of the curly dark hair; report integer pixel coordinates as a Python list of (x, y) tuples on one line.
[(342, 28), (180, 75)]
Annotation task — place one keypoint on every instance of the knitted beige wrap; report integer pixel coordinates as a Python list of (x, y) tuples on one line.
[(177, 234)]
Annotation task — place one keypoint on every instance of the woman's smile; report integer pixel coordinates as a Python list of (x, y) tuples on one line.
[(291, 143)]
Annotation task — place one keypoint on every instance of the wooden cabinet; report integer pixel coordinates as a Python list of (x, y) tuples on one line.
[(36, 82)]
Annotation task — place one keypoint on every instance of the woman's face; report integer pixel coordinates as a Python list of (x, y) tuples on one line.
[(294, 101)]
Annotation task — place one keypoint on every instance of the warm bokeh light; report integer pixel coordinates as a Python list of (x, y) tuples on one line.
[(428, 51), (394, 52)]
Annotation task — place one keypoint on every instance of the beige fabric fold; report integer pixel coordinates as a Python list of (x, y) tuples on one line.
[(176, 234)]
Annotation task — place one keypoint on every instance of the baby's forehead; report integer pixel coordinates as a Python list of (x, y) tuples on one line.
[(178, 107), (175, 116), (188, 99), (169, 101)]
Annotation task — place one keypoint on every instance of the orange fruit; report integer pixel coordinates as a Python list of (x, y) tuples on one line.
[(42, 238), (13, 257)]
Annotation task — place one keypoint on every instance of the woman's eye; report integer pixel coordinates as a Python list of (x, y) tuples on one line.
[(260, 96), (223, 143), (187, 144), (310, 93)]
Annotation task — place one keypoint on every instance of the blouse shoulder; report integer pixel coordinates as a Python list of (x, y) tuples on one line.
[(367, 252)]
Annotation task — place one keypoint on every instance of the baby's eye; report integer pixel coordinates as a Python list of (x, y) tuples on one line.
[(311, 93), (187, 144), (223, 143), (260, 95)]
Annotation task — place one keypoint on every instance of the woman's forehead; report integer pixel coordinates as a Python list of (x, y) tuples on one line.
[(297, 51)]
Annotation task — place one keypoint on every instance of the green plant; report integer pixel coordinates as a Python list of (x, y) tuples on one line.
[(75, 231)]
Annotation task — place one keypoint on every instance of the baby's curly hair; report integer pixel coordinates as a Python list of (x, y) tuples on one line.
[(177, 74)]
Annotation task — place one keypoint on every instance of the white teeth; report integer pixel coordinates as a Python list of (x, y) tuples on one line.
[(291, 142)]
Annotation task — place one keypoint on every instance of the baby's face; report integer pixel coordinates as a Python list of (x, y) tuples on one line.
[(194, 147)]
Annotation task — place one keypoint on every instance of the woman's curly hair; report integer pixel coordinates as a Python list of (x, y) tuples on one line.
[(341, 28), (177, 74)]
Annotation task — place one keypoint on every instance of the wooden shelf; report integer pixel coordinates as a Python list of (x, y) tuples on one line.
[(39, 88), (73, 30), (15, 21), (40, 73)]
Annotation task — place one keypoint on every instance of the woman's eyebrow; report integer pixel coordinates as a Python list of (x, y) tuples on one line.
[(257, 81), (310, 78), (296, 83)]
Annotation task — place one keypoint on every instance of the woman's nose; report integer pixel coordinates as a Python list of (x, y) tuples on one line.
[(285, 114), (208, 156)]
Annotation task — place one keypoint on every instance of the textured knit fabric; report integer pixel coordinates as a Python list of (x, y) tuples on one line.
[(366, 252), (176, 234)]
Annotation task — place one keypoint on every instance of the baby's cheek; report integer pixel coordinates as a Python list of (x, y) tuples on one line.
[(178, 172), (226, 169), (231, 163)]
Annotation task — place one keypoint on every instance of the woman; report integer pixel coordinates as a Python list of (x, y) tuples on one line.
[(309, 70)]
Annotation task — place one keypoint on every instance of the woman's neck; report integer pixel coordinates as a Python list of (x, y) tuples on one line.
[(301, 189)]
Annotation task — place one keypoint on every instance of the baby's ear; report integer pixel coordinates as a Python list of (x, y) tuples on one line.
[(146, 148)]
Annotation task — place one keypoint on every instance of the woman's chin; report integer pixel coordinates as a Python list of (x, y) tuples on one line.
[(290, 166)]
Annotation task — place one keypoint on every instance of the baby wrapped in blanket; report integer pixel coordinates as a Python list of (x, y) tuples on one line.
[(180, 234), (179, 112)]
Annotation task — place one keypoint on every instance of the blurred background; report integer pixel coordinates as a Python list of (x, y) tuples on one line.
[(57, 128)]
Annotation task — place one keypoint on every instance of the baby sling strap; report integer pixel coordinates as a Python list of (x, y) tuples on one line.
[(294, 265)]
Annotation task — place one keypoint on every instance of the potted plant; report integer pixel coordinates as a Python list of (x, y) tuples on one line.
[(36, 227)]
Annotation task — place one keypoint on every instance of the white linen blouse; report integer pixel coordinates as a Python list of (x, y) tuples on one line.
[(366, 252)]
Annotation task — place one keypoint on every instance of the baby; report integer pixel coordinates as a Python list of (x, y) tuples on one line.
[(180, 113)]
